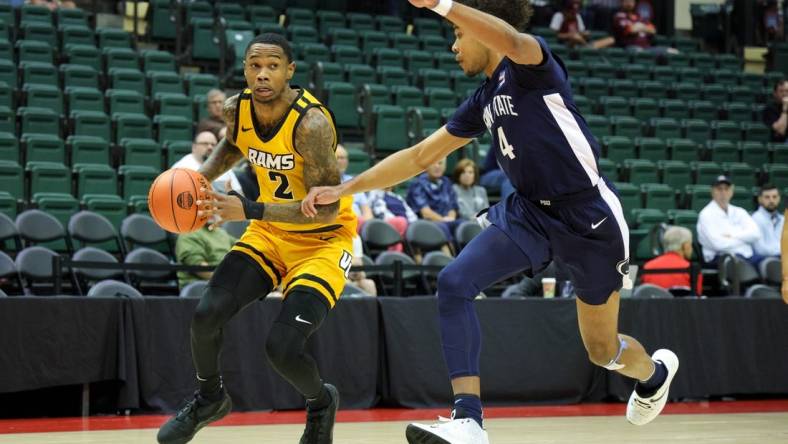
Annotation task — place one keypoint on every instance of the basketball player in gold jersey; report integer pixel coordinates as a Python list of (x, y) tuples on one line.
[(289, 138)]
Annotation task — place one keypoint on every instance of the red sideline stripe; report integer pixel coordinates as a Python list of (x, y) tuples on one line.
[(376, 415)]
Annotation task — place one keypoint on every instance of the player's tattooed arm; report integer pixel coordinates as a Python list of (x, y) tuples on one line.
[(225, 154), (314, 140)]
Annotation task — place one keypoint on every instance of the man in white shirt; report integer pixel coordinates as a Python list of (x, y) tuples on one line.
[(769, 221), (724, 228), (202, 147)]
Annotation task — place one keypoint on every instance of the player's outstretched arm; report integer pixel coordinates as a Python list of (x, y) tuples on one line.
[(392, 170), (225, 154), (493, 32)]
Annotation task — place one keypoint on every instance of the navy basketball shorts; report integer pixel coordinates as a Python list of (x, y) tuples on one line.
[(585, 231)]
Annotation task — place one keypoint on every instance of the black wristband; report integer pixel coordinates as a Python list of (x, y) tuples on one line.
[(252, 210)]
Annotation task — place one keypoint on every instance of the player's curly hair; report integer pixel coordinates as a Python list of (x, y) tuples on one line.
[(515, 12)]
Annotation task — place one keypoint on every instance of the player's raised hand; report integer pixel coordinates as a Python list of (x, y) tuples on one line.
[(424, 3), (318, 196)]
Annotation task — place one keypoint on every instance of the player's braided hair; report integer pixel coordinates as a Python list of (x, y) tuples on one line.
[(515, 12)]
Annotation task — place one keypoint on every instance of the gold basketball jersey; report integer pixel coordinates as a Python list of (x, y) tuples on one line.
[(278, 165)]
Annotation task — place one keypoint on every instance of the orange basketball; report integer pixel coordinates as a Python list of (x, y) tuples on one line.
[(173, 197)]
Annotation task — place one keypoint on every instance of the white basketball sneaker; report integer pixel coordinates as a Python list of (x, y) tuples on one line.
[(447, 431), (641, 411)]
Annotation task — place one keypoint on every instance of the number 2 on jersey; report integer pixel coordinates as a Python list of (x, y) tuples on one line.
[(506, 149), (283, 190)]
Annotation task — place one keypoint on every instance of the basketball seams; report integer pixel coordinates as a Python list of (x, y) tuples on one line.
[(197, 207)]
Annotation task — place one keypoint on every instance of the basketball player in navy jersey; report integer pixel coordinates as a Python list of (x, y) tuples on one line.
[(563, 207)]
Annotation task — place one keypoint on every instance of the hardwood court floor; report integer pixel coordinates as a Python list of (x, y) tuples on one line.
[(766, 427)]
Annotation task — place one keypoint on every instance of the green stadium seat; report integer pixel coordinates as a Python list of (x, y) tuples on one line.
[(7, 94), (416, 59), (673, 108), (346, 54), (696, 130), (756, 132), (706, 172), (725, 130), (721, 151), (640, 171), (341, 98), (200, 84), (131, 79), (39, 32), (404, 42), (371, 95), (608, 168), (613, 106), (422, 121), (174, 105), (637, 72), (388, 129), (737, 111), (172, 129), (125, 101), (38, 121), (136, 180), (33, 51), (7, 120), (341, 37), (84, 99), (47, 177), (298, 34), (650, 148), (7, 207), (779, 153), (687, 91), (703, 61), (6, 50), (593, 87), (682, 149), (684, 218), (626, 126), (745, 198), (717, 94), (266, 27), (261, 13), (640, 238), (35, 13), (725, 76), (462, 83), (753, 153), (387, 23), (728, 61), (324, 72), (658, 196), (696, 197), (741, 174), (431, 78), (644, 108), (650, 89), (90, 123), (370, 40), (392, 75), (623, 87), (440, 98), (203, 45), (162, 61), (328, 21), (427, 26), (131, 126), (71, 16), (141, 152), (360, 21), (12, 178), (777, 174), (300, 17), (230, 11), (665, 128), (407, 96), (9, 148), (302, 76), (629, 196), (314, 52), (61, 206), (162, 21), (113, 38), (88, 150), (583, 104), (618, 148), (95, 179), (752, 80), (108, 205), (84, 55), (37, 72), (433, 43), (675, 173), (743, 94), (76, 35), (79, 75), (164, 82), (599, 126), (386, 57), (43, 148), (703, 110), (176, 150), (646, 58), (665, 74), (43, 96), (360, 75)]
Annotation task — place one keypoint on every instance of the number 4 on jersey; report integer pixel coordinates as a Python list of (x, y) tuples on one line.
[(506, 149)]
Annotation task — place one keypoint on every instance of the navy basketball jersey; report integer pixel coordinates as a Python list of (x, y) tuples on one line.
[(540, 139)]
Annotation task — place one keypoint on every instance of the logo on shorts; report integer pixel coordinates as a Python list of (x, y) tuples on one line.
[(623, 267), (302, 320), (185, 200)]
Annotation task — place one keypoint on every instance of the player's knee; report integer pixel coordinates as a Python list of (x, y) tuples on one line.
[(601, 352), (208, 317), (283, 346), (453, 284)]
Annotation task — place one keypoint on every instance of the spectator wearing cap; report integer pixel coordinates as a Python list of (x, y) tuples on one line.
[(724, 228), (775, 115), (769, 221), (678, 252)]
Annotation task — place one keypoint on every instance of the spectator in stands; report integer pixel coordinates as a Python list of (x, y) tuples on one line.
[(769, 221), (775, 116), (600, 13), (493, 178), (678, 253), (392, 208), (431, 195), (201, 247), (724, 228), (215, 121), (571, 30), (360, 201), (359, 278), (202, 147), (630, 29), (471, 198)]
